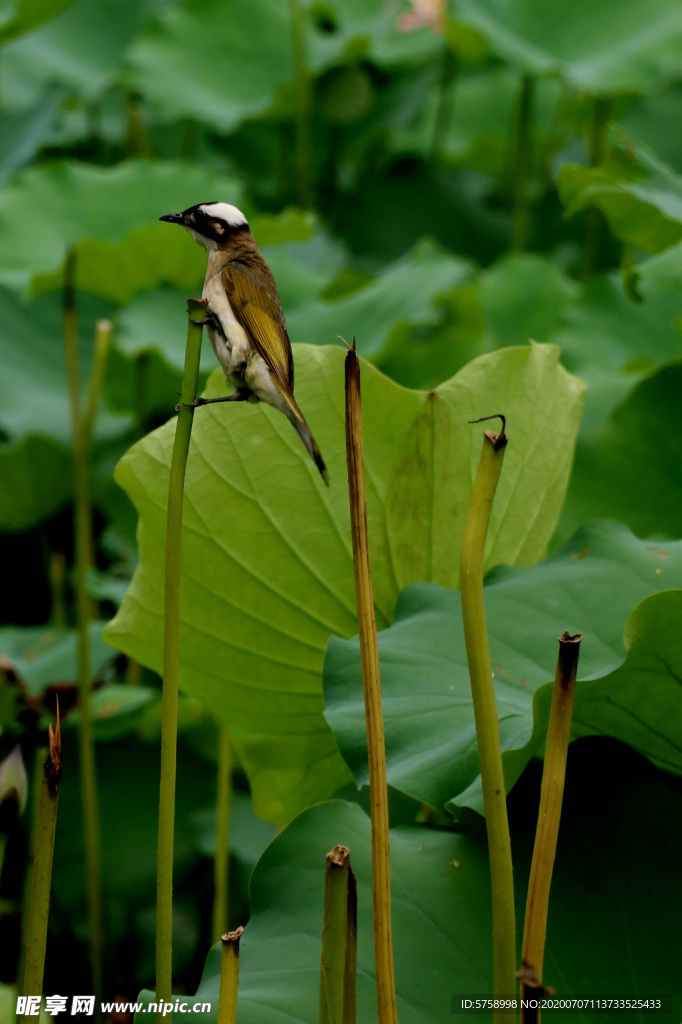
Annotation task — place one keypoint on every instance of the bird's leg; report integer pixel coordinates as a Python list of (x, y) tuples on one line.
[(206, 321), (240, 395)]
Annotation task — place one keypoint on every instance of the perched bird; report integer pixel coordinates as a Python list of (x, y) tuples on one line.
[(244, 320)]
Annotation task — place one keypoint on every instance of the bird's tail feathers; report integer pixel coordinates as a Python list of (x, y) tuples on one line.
[(299, 424)]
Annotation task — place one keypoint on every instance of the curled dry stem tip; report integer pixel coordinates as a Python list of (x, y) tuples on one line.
[(497, 440)]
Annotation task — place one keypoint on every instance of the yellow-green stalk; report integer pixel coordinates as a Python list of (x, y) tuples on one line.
[(41, 878), (549, 815), (485, 713), (196, 309), (36, 775), (376, 751), (229, 977), (221, 860), (82, 446), (338, 959)]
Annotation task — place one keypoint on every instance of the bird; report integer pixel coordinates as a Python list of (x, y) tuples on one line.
[(244, 317)]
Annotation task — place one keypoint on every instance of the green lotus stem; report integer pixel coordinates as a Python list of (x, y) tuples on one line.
[(549, 815), (82, 426), (522, 163), (443, 118), (229, 977), (34, 795), (57, 575), (140, 383), (304, 141), (485, 713), (376, 751), (196, 309), (338, 959), (41, 877), (222, 838), (594, 219), (83, 543), (71, 340)]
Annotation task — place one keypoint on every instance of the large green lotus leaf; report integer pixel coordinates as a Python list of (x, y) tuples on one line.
[(664, 270), (147, 385), (267, 555), (35, 464), (23, 132), (615, 46), (369, 29), (44, 655), (629, 828), (20, 16), (652, 121), (606, 339), (625, 468), (589, 586), (179, 63), (36, 482), (149, 323), (476, 134), (523, 296), (47, 210), (405, 292), (639, 195), (82, 49), (34, 397), (640, 701), (127, 778), (612, 343), (394, 205), (118, 271)]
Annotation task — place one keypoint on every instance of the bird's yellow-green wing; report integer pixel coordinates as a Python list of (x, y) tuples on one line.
[(255, 300)]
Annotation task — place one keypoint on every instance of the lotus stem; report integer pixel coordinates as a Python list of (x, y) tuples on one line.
[(82, 447), (41, 879), (381, 871), (338, 959), (222, 838), (229, 977), (485, 714), (196, 309), (522, 163), (549, 815)]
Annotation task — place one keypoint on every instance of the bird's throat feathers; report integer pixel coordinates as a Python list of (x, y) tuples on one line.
[(238, 240)]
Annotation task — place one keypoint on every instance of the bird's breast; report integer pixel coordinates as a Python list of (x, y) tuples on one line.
[(231, 343)]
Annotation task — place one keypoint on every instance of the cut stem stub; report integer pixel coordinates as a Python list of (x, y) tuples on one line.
[(229, 977), (549, 815), (338, 959)]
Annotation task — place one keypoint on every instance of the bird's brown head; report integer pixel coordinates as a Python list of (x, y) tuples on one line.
[(210, 224)]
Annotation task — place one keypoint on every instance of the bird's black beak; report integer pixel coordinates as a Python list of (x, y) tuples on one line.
[(174, 218)]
